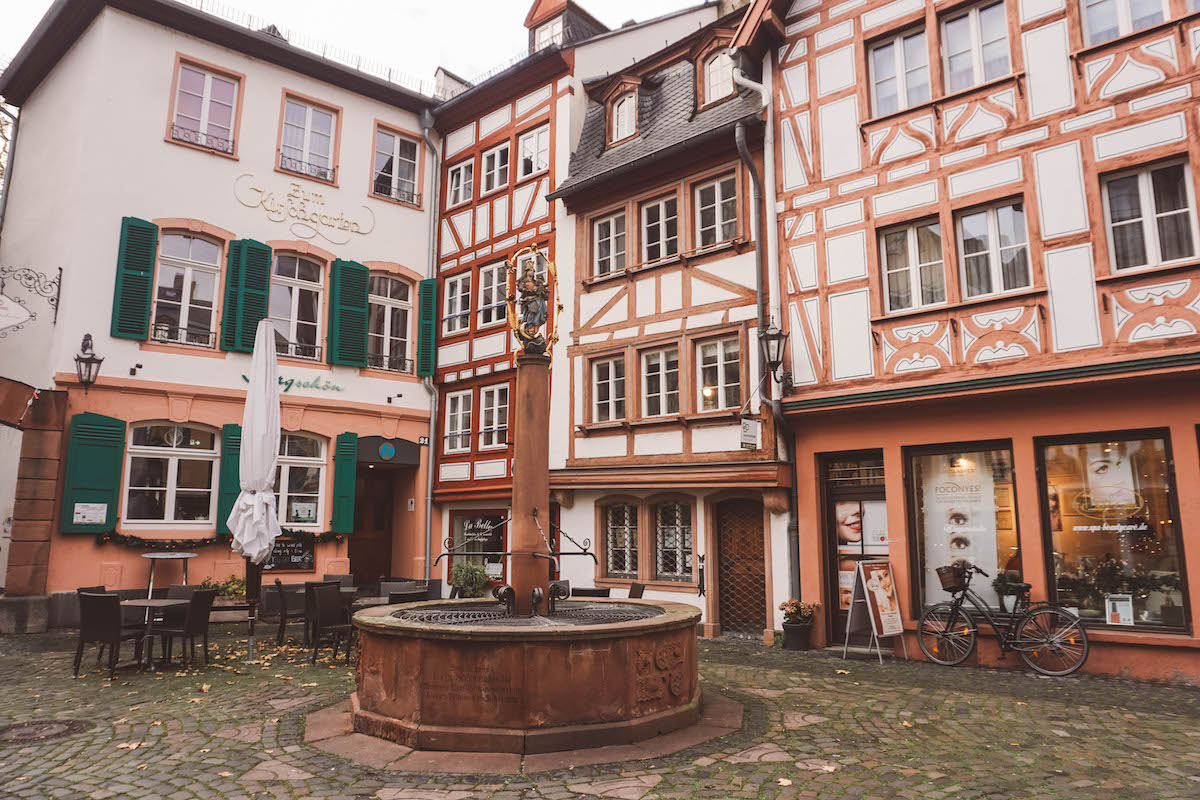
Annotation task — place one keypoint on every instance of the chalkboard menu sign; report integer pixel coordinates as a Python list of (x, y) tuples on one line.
[(289, 554)]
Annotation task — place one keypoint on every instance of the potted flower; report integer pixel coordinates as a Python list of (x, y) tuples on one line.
[(1005, 584), (797, 623), (471, 579), (231, 593)]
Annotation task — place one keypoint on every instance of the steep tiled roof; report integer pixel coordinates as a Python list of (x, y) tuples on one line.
[(667, 120)]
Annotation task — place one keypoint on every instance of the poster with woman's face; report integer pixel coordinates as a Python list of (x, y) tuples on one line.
[(1110, 478), (881, 598), (959, 518), (846, 567), (861, 526)]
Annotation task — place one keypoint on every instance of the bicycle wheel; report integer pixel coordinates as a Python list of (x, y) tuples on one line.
[(946, 634), (1052, 641)]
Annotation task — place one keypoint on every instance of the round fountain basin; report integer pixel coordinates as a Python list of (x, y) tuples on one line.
[(458, 675)]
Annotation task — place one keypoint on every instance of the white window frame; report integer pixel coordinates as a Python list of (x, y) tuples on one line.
[(493, 291), (306, 151), (282, 495), (398, 186), (685, 548), (718, 75), (663, 394), (456, 438), (548, 33), (724, 362), (719, 220), (461, 192), (628, 529), (663, 240), (606, 410), (298, 284), (994, 249), (183, 334), (978, 75), (493, 400), (1124, 20), (1149, 219), (913, 268), (495, 174), (172, 455), (613, 237), (624, 117), (524, 258), (540, 138), (390, 306), (456, 309), (206, 101), (901, 70)]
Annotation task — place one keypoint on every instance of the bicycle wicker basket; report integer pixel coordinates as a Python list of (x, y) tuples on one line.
[(953, 578)]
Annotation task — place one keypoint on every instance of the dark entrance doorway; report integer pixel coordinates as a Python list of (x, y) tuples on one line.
[(741, 571), (855, 530), (371, 542)]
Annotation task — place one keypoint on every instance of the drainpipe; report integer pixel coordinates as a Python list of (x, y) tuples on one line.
[(430, 387), (8, 168)]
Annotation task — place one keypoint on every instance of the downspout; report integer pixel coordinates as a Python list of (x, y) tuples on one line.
[(8, 167), (430, 387)]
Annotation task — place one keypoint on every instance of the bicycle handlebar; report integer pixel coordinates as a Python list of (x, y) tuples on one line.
[(977, 569)]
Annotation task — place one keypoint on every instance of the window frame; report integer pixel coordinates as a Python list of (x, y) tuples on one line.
[(995, 264), (488, 172), (706, 70), (1150, 236), (660, 202), (460, 435), (298, 284), (466, 186), (459, 282), (913, 268), (210, 71), (1124, 21), (632, 543), (335, 137), (499, 289), (652, 504), (172, 455), (664, 393), (283, 465), (616, 132), (620, 214), (974, 27), (555, 30), (188, 266), (901, 72), (611, 402), (498, 434), (535, 134), (390, 306), (396, 193), (720, 200), (722, 366)]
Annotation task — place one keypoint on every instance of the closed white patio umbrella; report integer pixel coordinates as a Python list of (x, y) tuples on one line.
[(253, 521)]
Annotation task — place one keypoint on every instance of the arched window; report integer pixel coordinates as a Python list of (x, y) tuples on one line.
[(299, 480), (672, 541), (389, 311), (621, 540), (718, 77), (171, 471), (624, 117), (295, 306), (185, 297)]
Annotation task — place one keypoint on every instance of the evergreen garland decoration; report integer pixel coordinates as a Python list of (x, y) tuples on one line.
[(172, 545)]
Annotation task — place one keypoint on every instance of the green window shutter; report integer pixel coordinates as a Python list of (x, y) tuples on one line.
[(247, 285), (135, 279), (229, 484), (345, 465), (348, 314), (427, 307), (95, 452)]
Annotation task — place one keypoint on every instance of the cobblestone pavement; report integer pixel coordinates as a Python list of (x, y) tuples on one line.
[(815, 726)]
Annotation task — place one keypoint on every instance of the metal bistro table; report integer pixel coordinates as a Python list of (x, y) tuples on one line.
[(154, 559), (151, 604)]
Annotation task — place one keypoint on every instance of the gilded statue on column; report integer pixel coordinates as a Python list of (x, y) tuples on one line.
[(530, 278)]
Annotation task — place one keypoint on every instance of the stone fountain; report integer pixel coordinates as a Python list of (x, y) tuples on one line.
[(528, 670)]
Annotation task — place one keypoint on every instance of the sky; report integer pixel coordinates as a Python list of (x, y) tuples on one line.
[(468, 37)]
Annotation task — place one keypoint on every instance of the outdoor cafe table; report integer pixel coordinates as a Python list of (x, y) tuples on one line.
[(164, 556), (152, 604)]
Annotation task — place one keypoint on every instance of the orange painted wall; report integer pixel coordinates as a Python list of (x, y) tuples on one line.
[(1162, 401)]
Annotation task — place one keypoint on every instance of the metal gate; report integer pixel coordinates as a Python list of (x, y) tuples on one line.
[(741, 567)]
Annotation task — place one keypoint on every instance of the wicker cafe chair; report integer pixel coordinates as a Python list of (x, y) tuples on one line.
[(283, 605), (387, 587), (585, 591), (195, 623), (100, 621), (636, 590), (344, 580), (408, 597), (329, 620), (310, 606), (174, 616)]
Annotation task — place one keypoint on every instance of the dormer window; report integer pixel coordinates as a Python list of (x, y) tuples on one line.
[(718, 77), (624, 112), (549, 33)]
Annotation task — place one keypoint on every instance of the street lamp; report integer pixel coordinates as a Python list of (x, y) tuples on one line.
[(772, 341), (87, 364)]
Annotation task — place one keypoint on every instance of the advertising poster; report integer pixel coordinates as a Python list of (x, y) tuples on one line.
[(960, 520), (881, 598), (1120, 609), (861, 527)]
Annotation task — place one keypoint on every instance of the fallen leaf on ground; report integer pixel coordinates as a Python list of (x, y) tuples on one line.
[(205, 687), (784, 782), (906, 724), (196, 700), (143, 766), (224, 774), (129, 745), (842, 671)]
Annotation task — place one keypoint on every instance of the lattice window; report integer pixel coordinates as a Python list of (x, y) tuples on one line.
[(673, 542), (621, 540)]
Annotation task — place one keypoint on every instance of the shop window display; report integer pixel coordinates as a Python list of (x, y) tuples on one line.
[(1113, 531), (964, 512)]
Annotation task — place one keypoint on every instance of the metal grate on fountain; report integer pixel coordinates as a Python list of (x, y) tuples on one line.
[(567, 613)]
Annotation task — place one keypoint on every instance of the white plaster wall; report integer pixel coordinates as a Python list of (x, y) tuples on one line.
[(10, 456), (66, 205)]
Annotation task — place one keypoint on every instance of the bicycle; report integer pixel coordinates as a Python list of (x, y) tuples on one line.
[(1049, 638)]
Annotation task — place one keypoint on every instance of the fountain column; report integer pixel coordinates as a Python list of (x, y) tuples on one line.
[(531, 481)]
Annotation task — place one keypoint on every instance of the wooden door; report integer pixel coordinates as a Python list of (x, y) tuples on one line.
[(371, 541), (741, 567)]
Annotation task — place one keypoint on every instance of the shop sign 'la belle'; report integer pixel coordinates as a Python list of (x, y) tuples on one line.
[(529, 300)]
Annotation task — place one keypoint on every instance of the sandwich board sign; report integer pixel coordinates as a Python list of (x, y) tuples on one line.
[(874, 606)]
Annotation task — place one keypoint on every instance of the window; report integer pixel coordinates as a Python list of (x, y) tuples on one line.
[(548, 33), (672, 541), (964, 512), (188, 268), (534, 151), (1150, 218), (395, 167), (458, 304), (913, 273), (460, 183), (1108, 19), (899, 73), (608, 389), (495, 168), (307, 146), (295, 306), (1113, 527), (299, 479), (716, 211), (718, 77), (621, 541), (660, 229), (992, 243), (493, 426), (975, 44), (458, 422), (624, 117), (389, 307), (493, 287), (720, 374), (171, 470), (204, 108), (479, 532), (660, 377), (609, 244)]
